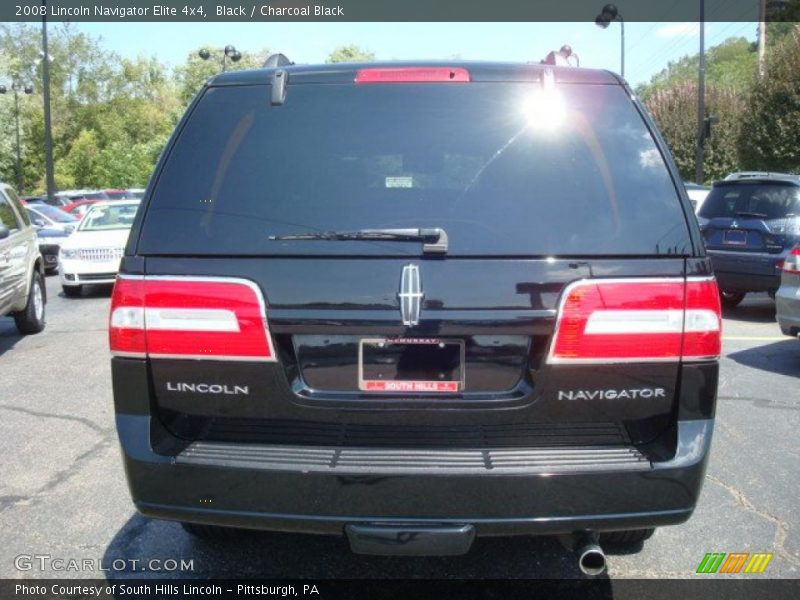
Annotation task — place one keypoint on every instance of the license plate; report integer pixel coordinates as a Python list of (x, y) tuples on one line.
[(735, 237), (411, 365)]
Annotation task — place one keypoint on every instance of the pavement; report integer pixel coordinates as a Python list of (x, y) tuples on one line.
[(63, 492)]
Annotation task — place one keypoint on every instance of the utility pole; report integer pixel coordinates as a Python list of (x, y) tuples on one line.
[(48, 134), (762, 36), (701, 99)]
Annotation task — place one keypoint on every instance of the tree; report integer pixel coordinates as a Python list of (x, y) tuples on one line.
[(350, 53), (770, 134), (195, 71), (675, 111), (111, 115), (730, 64)]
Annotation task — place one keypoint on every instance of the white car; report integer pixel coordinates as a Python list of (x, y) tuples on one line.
[(697, 194), (93, 252)]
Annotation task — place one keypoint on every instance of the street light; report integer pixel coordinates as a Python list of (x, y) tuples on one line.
[(610, 13), (18, 87), (229, 52), (50, 181)]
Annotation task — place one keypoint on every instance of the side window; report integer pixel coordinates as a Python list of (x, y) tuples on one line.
[(7, 215), (16, 204)]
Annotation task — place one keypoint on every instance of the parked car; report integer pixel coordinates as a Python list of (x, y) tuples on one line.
[(78, 208), (58, 200), (22, 290), (697, 194), (787, 299), (68, 197), (50, 240), (45, 215), (749, 224), (92, 253), (136, 192), (414, 304)]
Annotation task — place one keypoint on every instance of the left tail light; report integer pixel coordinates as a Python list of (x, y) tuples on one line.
[(194, 318), (792, 262)]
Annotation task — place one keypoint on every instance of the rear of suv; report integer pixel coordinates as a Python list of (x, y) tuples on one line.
[(750, 222), (415, 304)]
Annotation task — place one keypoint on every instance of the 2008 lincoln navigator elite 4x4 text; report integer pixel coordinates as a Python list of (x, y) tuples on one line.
[(436, 300)]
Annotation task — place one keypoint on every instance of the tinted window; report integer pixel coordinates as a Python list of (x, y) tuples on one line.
[(761, 200), (503, 168)]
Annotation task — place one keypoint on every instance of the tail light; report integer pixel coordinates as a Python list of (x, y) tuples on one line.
[(413, 75), (638, 320), (792, 262), (195, 318)]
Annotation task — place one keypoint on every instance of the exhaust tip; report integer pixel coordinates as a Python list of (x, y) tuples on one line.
[(591, 560)]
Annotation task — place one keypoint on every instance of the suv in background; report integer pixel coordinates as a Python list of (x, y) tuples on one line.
[(750, 221), (22, 291), (415, 303)]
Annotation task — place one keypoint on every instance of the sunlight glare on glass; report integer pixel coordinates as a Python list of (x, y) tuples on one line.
[(544, 109)]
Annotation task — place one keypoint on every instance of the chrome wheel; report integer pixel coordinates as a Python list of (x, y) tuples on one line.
[(38, 300)]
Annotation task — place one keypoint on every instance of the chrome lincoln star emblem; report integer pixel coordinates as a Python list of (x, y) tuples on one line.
[(410, 295)]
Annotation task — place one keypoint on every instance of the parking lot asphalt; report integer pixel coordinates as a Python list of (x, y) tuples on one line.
[(63, 491)]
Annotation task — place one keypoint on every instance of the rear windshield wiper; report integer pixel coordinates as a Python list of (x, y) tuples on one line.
[(744, 213), (435, 237)]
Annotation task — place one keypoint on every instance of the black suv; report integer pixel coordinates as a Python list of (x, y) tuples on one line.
[(414, 303), (750, 222)]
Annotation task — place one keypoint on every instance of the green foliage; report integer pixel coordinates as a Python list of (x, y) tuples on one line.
[(195, 71), (675, 111), (350, 53), (731, 64), (111, 116), (770, 135)]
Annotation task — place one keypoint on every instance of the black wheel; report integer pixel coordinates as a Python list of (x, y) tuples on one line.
[(212, 533), (72, 291), (731, 299), (626, 537), (31, 318)]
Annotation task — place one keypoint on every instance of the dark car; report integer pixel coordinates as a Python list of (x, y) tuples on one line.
[(50, 240), (45, 215), (750, 221), (413, 304)]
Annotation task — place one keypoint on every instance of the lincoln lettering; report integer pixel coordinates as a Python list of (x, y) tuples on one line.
[(208, 388), (630, 394)]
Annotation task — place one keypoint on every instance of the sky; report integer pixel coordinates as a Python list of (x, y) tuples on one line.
[(649, 46)]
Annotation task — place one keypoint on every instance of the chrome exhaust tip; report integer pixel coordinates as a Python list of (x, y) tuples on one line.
[(591, 559)]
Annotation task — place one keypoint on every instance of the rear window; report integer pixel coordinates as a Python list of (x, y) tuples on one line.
[(767, 201), (503, 168)]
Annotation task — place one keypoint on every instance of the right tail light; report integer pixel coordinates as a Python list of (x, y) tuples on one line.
[(638, 320)]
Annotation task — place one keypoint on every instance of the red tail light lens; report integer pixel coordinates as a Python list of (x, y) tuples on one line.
[(637, 320), (413, 75), (792, 262), (211, 319)]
